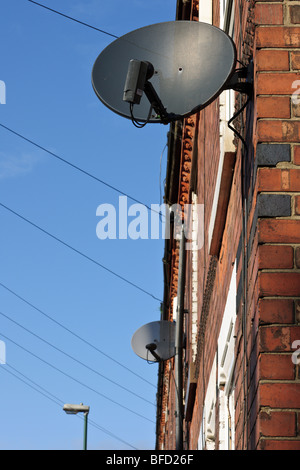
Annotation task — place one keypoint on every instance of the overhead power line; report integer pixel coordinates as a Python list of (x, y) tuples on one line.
[(75, 334), (74, 19), (75, 167), (75, 380), (79, 252), (42, 391), (32, 384), (117, 384)]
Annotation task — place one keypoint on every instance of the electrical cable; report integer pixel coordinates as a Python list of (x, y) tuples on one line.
[(57, 400), (76, 380), (135, 121), (83, 171), (80, 22), (75, 334), (234, 117), (74, 19), (75, 167), (109, 433), (79, 252), (76, 360), (42, 390), (105, 32)]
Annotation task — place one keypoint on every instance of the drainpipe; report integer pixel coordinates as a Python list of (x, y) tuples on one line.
[(183, 10), (186, 9), (179, 345)]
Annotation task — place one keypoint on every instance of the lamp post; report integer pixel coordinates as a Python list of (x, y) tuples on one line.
[(73, 410)]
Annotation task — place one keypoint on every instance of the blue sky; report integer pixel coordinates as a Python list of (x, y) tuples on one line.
[(46, 64)]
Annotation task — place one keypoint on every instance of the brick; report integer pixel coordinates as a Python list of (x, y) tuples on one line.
[(275, 179), (276, 311), (271, 444), (297, 155), (295, 14), (277, 338), (279, 131), (268, 14), (276, 367), (271, 154), (278, 231), (281, 284), (274, 205), (267, 60), (295, 99), (297, 311), (295, 60), (273, 107), (276, 257), (297, 257), (297, 205), (295, 109), (277, 83), (277, 36), (277, 423), (295, 334), (280, 395)]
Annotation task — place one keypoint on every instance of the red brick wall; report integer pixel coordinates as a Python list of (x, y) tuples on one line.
[(267, 382), (277, 393)]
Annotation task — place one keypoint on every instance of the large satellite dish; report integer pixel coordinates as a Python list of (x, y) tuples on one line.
[(155, 341), (191, 64)]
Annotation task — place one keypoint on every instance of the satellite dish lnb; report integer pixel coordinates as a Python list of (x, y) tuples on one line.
[(155, 341), (166, 71)]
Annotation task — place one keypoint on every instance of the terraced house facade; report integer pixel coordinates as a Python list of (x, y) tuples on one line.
[(236, 294)]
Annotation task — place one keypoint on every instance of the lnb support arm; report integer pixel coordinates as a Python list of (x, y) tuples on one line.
[(156, 103), (242, 80)]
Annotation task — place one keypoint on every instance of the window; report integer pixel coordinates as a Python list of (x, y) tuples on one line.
[(227, 97), (207, 437), (205, 11), (220, 388), (227, 24), (227, 16), (226, 360)]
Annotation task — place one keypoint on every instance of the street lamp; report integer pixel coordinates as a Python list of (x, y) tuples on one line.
[(73, 410)]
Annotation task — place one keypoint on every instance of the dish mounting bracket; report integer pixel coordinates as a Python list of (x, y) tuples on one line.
[(242, 80)]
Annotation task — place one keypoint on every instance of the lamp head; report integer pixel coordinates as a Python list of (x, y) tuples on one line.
[(74, 409)]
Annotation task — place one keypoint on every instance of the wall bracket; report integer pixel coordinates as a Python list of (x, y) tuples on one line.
[(242, 80)]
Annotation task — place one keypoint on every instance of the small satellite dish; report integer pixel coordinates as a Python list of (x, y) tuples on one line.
[(155, 341), (190, 62)]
